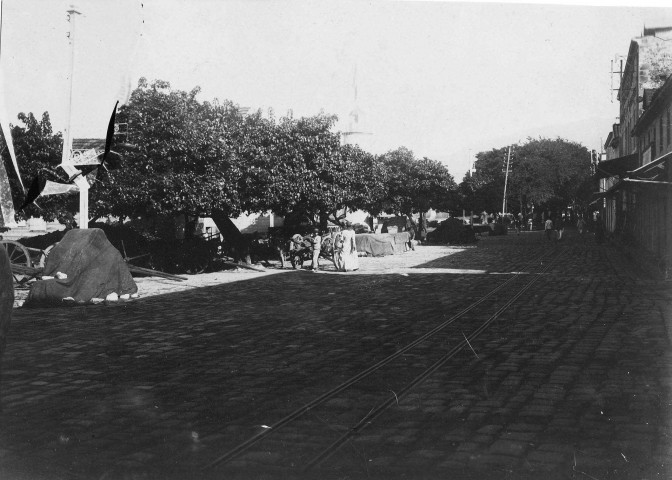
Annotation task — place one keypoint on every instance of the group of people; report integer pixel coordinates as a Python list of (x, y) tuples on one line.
[(345, 248), (557, 225)]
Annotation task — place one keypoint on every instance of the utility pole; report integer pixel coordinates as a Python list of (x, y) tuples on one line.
[(506, 179), (66, 159)]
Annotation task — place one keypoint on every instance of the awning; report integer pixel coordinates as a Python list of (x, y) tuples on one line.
[(651, 170), (616, 167), (611, 190)]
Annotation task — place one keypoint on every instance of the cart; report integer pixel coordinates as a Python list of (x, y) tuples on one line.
[(303, 251), (26, 262)]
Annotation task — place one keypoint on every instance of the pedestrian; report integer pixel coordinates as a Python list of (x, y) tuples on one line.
[(548, 228), (530, 222), (581, 225), (350, 260), (338, 250), (411, 228), (316, 245), (6, 302), (559, 228)]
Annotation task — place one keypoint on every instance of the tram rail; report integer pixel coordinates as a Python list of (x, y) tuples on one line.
[(380, 409), (419, 378)]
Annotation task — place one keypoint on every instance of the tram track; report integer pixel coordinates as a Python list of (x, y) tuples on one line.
[(380, 409)]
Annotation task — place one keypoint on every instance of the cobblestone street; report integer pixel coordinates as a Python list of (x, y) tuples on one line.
[(570, 381)]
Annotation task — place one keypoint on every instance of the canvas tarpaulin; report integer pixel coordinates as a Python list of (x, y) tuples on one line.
[(94, 269), (378, 245)]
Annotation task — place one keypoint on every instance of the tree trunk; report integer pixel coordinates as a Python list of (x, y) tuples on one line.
[(240, 247), (422, 228), (324, 221)]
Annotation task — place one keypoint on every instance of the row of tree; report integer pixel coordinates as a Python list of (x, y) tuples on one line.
[(198, 158), (203, 158)]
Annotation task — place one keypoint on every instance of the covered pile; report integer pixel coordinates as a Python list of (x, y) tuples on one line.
[(89, 268), (452, 231), (378, 245)]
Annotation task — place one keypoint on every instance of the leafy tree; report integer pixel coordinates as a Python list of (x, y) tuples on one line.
[(367, 180), (483, 191), (183, 163), (38, 150), (415, 186), (434, 186), (201, 158), (548, 173), (298, 167)]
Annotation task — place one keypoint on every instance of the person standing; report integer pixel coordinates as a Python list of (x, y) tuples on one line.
[(559, 228), (316, 243), (338, 250), (581, 225), (548, 228), (6, 301), (349, 254)]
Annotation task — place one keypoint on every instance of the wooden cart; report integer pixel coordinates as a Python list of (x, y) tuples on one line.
[(26, 262)]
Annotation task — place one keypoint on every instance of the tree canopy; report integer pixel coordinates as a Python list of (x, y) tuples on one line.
[(199, 157), (196, 157), (416, 185), (39, 149), (547, 173)]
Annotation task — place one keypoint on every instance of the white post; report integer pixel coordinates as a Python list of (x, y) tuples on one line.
[(67, 134), (84, 205)]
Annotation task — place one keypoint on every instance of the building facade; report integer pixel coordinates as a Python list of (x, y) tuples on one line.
[(635, 183), (647, 193), (640, 78)]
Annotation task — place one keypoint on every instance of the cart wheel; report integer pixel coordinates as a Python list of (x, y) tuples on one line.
[(18, 255)]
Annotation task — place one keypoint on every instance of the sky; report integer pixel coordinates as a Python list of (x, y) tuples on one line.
[(444, 79)]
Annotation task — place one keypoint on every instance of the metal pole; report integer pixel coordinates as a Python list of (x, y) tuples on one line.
[(81, 181), (506, 179), (67, 139)]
